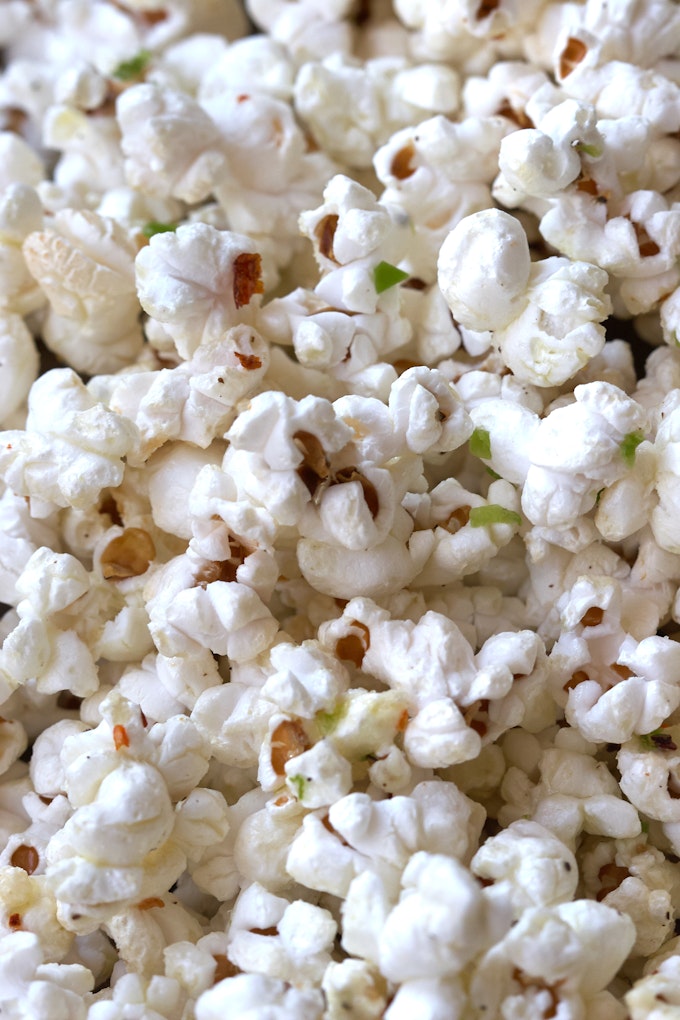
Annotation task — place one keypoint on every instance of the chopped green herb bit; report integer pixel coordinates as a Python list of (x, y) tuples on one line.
[(480, 516), (494, 474), (644, 825), (129, 70), (386, 276), (153, 227), (589, 150), (327, 721), (480, 444), (299, 783), (629, 445), (598, 497)]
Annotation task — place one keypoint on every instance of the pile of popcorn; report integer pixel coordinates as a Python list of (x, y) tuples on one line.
[(340, 554)]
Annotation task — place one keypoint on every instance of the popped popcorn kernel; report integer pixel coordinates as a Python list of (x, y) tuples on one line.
[(339, 541)]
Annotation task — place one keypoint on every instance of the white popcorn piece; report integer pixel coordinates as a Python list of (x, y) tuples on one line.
[(72, 447), (484, 269), (196, 280), (527, 970), (655, 995), (171, 146), (246, 995), (20, 215), (34, 986), (432, 884), (529, 865)]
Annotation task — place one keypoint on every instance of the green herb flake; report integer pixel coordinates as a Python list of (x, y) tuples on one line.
[(494, 474), (598, 495), (386, 276), (299, 783), (131, 70), (154, 227), (629, 445), (328, 721), (481, 516), (589, 150), (644, 825), (480, 444)]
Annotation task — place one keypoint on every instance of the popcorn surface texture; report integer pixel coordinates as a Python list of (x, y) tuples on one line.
[(339, 510)]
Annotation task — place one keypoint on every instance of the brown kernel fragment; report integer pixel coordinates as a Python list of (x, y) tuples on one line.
[(314, 469), (400, 166), (457, 519), (248, 361), (25, 857), (120, 737), (486, 8), (128, 555), (623, 671), (14, 921), (325, 233), (576, 678), (68, 701), (247, 277), (353, 646), (610, 877), (414, 283), (572, 55), (288, 741), (109, 506), (587, 185), (150, 902), (224, 968), (518, 117), (593, 617), (646, 246), (402, 365), (328, 825), (272, 930), (663, 741), (402, 721)]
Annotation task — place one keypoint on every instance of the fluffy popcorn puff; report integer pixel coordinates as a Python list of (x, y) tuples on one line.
[(195, 281), (542, 161), (352, 109), (442, 921), (655, 996), (352, 234), (438, 172), (35, 987), (20, 215), (567, 472), (544, 315), (553, 957), (84, 263), (18, 365), (72, 447), (527, 864), (171, 146)]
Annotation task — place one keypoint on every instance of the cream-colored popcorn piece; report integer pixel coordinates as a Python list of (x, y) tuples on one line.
[(655, 995), (196, 280), (20, 215), (84, 263), (357, 983)]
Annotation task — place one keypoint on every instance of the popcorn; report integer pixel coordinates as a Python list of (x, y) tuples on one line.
[(222, 276), (339, 556)]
